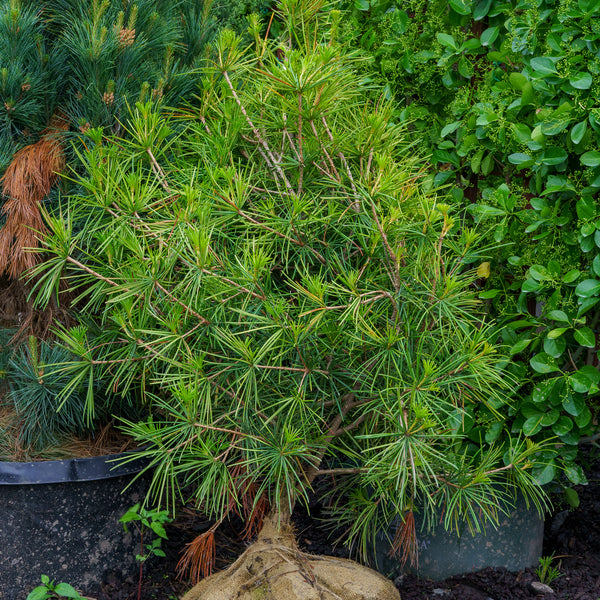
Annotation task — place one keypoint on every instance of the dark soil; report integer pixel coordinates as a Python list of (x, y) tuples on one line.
[(572, 536)]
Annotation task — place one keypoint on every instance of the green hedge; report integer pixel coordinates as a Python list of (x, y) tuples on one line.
[(505, 95)]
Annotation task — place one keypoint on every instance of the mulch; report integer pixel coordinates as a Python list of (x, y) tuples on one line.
[(572, 536)]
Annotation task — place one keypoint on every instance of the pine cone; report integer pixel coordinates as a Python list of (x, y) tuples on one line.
[(126, 37)]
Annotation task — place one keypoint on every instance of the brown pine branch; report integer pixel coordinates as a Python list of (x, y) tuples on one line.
[(271, 161), (160, 174)]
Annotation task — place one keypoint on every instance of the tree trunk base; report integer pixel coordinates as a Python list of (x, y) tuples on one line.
[(274, 569)]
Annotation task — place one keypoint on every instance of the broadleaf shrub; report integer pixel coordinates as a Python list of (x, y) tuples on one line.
[(505, 98)]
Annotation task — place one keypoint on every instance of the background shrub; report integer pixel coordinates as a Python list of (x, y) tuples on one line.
[(505, 97)]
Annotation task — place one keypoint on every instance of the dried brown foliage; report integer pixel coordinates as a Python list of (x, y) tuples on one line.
[(199, 557), (255, 510), (27, 180), (252, 509), (109, 441), (404, 545)]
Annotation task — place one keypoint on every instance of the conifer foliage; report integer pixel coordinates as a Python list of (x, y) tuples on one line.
[(76, 64), (295, 305)]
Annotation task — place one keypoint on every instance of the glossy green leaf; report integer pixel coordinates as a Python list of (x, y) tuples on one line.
[(520, 158), (447, 40), (591, 158), (521, 133), (595, 181), (588, 229), (584, 418), (532, 425), (555, 347), (591, 372), (543, 363), (573, 404), (556, 333), (555, 125), (562, 426), (554, 156), (596, 265), (527, 94), (585, 336), (558, 183), (543, 390), (571, 276), (538, 272), (520, 346), (580, 382), (575, 474), (581, 81), (530, 285), (586, 208), (489, 294), (450, 128), (543, 65), (550, 417), (585, 304), (462, 7), (544, 473), (470, 44), (487, 164), (587, 288), (578, 131), (489, 36), (558, 315), (529, 409), (514, 260), (586, 243), (482, 9), (518, 80)]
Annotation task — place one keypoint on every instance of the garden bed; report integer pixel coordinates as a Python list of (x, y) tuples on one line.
[(572, 536)]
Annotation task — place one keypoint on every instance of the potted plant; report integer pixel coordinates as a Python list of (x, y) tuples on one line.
[(62, 492), (298, 307)]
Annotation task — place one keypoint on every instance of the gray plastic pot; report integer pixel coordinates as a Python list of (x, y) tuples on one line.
[(61, 518), (516, 543)]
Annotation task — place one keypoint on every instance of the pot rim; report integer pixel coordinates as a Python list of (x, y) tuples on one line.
[(91, 468)]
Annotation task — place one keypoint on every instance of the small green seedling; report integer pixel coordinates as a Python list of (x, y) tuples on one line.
[(144, 519), (546, 572), (49, 590)]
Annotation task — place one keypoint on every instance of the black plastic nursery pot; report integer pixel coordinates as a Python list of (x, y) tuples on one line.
[(515, 543), (61, 518)]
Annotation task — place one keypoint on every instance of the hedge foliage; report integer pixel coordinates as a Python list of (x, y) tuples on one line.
[(505, 97)]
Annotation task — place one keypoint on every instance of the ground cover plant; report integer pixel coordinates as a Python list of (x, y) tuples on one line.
[(275, 281), (504, 96)]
